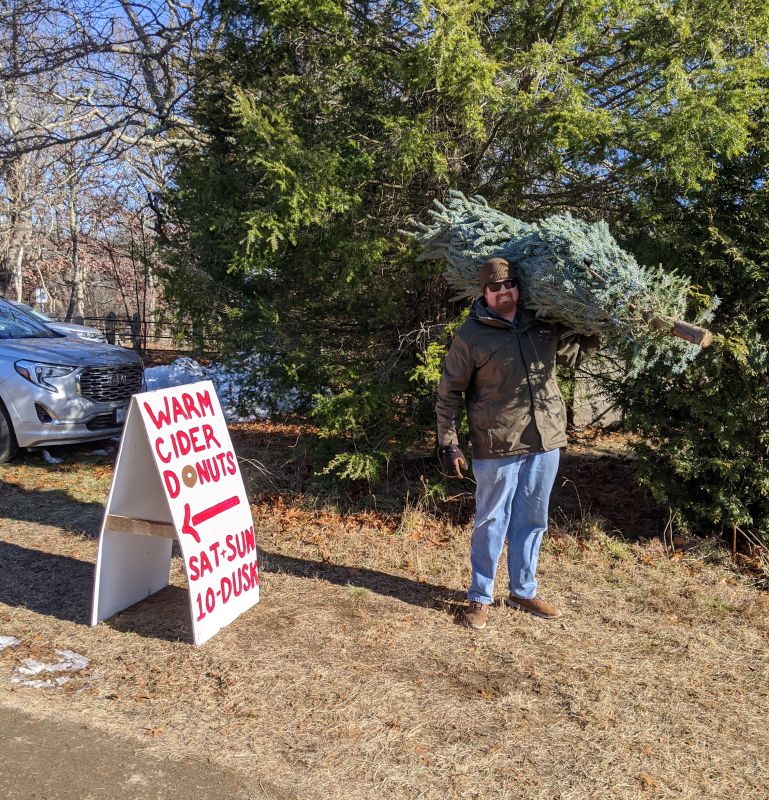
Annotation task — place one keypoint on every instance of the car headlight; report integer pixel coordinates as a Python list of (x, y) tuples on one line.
[(39, 373), (92, 337)]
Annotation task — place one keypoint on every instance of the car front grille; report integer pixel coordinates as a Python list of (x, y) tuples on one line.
[(111, 384), (102, 422)]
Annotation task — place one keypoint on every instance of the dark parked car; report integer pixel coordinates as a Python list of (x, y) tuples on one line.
[(65, 328), (59, 390)]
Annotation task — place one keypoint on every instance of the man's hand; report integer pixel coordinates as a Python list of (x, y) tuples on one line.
[(453, 461)]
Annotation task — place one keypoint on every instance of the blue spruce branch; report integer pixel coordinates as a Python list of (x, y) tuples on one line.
[(572, 272)]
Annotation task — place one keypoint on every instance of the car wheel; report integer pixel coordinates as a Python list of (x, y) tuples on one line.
[(8, 445)]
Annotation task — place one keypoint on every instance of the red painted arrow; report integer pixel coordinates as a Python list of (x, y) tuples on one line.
[(205, 515), (186, 527)]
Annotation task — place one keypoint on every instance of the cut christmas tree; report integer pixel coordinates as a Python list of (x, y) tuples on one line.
[(572, 272)]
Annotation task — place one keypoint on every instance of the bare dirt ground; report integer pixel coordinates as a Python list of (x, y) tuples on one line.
[(352, 677), (47, 758)]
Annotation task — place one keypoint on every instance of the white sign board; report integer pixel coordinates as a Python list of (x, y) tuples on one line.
[(177, 477)]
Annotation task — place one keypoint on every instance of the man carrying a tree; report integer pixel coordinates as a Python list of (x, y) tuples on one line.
[(502, 360)]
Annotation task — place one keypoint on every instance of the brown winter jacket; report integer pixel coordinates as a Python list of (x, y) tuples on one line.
[(507, 373)]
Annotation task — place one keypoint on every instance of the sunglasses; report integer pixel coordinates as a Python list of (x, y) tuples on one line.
[(496, 286)]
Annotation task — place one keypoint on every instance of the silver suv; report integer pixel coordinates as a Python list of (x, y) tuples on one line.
[(59, 390)]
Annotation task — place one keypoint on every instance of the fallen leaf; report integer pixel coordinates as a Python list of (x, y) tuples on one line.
[(648, 781)]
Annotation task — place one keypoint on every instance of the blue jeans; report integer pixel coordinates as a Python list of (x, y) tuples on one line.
[(511, 499)]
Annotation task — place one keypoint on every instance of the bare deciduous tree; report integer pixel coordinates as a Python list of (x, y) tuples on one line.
[(133, 63), (92, 100)]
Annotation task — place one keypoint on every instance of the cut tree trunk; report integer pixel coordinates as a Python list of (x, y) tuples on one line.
[(683, 330)]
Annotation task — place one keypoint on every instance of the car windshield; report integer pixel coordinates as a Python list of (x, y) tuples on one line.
[(33, 312), (15, 324)]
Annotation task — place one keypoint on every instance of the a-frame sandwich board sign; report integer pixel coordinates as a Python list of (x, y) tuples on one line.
[(177, 477)]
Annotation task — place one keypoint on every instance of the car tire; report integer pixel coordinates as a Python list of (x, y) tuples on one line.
[(8, 444)]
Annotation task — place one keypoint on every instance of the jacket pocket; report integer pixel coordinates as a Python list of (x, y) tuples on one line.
[(555, 411)]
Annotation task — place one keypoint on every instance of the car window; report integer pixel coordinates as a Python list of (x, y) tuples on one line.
[(33, 312), (17, 325)]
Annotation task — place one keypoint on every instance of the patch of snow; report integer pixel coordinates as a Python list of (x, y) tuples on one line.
[(242, 392), (49, 459), (41, 684), (70, 662), (183, 370), (8, 641), (100, 453)]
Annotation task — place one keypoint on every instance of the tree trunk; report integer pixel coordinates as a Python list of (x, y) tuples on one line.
[(684, 330), (76, 308), (14, 177), (14, 262)]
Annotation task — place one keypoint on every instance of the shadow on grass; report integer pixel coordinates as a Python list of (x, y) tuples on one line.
[(163, 615), (58, 586), (62, 587), (605, 486), (409, 591), (50, 507)]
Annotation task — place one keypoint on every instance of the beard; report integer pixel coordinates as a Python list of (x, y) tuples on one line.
[(505, 303)]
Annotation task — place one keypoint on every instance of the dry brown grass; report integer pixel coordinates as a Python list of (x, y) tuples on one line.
[(352, 678)]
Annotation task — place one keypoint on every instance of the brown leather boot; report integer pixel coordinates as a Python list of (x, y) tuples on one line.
[(476, 616), (535, 605)]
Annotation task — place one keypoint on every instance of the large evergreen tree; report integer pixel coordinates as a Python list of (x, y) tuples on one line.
[(705, 445), (329, 123)]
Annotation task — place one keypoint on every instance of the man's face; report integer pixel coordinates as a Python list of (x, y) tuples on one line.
[(504, 301)]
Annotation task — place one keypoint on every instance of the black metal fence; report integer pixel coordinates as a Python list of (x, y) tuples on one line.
[(150, 335)]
